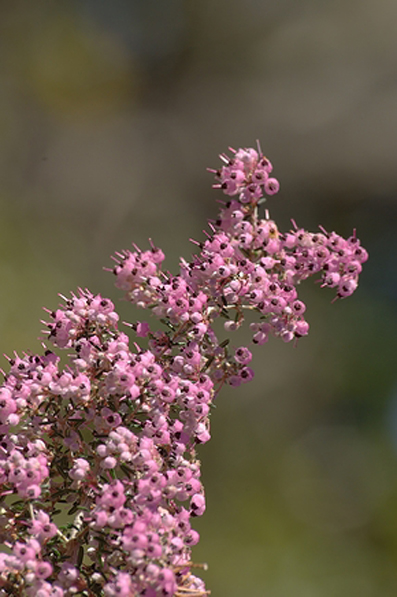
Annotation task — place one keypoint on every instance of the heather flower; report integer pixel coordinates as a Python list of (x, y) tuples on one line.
[(41, 527), (114, 433)]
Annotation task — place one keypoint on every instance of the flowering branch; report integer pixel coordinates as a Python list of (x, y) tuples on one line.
[(98, 468)]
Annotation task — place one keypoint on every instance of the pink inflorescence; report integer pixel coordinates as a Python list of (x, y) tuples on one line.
[(246, 174), (113, 434)]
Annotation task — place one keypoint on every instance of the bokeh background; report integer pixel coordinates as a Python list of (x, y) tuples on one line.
[(110, 112)]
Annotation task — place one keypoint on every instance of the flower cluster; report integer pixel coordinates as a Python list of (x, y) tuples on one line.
[(108, 442)]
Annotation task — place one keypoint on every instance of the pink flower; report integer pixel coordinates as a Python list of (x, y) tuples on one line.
[(112, 434), (41, 527), (43, 570), (142, 329), (113, 495)]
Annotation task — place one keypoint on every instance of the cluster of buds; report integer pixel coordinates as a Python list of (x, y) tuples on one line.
[(100, 479)]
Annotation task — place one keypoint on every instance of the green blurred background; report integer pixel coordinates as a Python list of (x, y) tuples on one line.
[(110, 111)]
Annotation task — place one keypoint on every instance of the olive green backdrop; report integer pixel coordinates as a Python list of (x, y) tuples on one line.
[(110, 111)]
